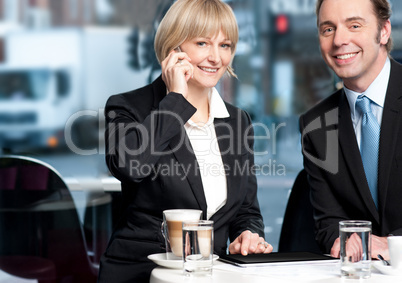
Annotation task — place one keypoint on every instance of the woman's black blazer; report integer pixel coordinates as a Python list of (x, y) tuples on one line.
[(147, 149)]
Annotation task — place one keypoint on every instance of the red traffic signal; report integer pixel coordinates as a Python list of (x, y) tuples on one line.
[(281, 24)]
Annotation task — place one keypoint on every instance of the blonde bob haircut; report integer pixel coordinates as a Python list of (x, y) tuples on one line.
[(188, 19)]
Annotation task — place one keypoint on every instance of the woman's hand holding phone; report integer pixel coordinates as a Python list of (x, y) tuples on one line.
[(177, 71)]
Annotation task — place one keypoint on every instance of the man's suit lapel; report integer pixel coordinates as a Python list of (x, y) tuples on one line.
[(390, 125), (351, 154)]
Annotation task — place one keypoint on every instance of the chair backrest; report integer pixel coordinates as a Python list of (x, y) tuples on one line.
[(38, 218), (25, 181), (297, 232)]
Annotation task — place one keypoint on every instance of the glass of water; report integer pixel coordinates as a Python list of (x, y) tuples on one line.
[(198, 246), (355, 238)]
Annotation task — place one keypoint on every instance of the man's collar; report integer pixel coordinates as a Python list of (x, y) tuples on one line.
[(376, 91)]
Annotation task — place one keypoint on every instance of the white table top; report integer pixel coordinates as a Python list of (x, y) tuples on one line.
[(279, 273), (107, 184)]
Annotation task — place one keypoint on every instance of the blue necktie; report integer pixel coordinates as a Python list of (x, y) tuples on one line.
[(370, 139)]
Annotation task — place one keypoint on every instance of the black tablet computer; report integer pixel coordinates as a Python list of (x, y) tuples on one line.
[(283, 258)]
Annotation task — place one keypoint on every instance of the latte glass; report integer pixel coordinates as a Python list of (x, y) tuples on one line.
[(172, 230)]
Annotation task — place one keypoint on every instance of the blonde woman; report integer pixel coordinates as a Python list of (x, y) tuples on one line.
[(176, 144)]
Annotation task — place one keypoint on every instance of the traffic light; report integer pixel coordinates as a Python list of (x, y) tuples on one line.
[(281, 32), (141, 50), (2, 50), (149, 56), (133, 41), (281, 24)]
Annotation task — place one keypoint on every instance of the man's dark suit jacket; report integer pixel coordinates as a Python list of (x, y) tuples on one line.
[(343, 193), (153, 182)]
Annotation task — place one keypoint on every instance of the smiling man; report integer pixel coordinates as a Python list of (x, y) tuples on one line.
[(366, 115)]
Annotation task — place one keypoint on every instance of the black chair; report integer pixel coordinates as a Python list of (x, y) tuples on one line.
[(41, 236), (297, 232)]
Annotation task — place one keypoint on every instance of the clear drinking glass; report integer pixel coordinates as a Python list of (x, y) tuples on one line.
[(355, 238), (198, 246)]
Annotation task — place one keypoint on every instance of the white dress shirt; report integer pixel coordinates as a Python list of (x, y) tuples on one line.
[(206, 149), (376, 93)]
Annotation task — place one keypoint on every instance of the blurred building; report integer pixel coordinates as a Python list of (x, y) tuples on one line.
[(57, 13)]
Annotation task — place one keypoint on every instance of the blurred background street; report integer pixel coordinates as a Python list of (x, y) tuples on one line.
[(61, 59)]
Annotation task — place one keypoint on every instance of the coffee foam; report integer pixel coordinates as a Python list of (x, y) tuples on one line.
[(184, 215)]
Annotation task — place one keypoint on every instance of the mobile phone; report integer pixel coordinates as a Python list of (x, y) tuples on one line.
[(177, 49)]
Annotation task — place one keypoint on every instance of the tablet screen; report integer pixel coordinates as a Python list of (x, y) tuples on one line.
[(289, 257)]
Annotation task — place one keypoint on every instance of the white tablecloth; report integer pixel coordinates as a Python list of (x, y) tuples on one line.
[(278, 273)]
